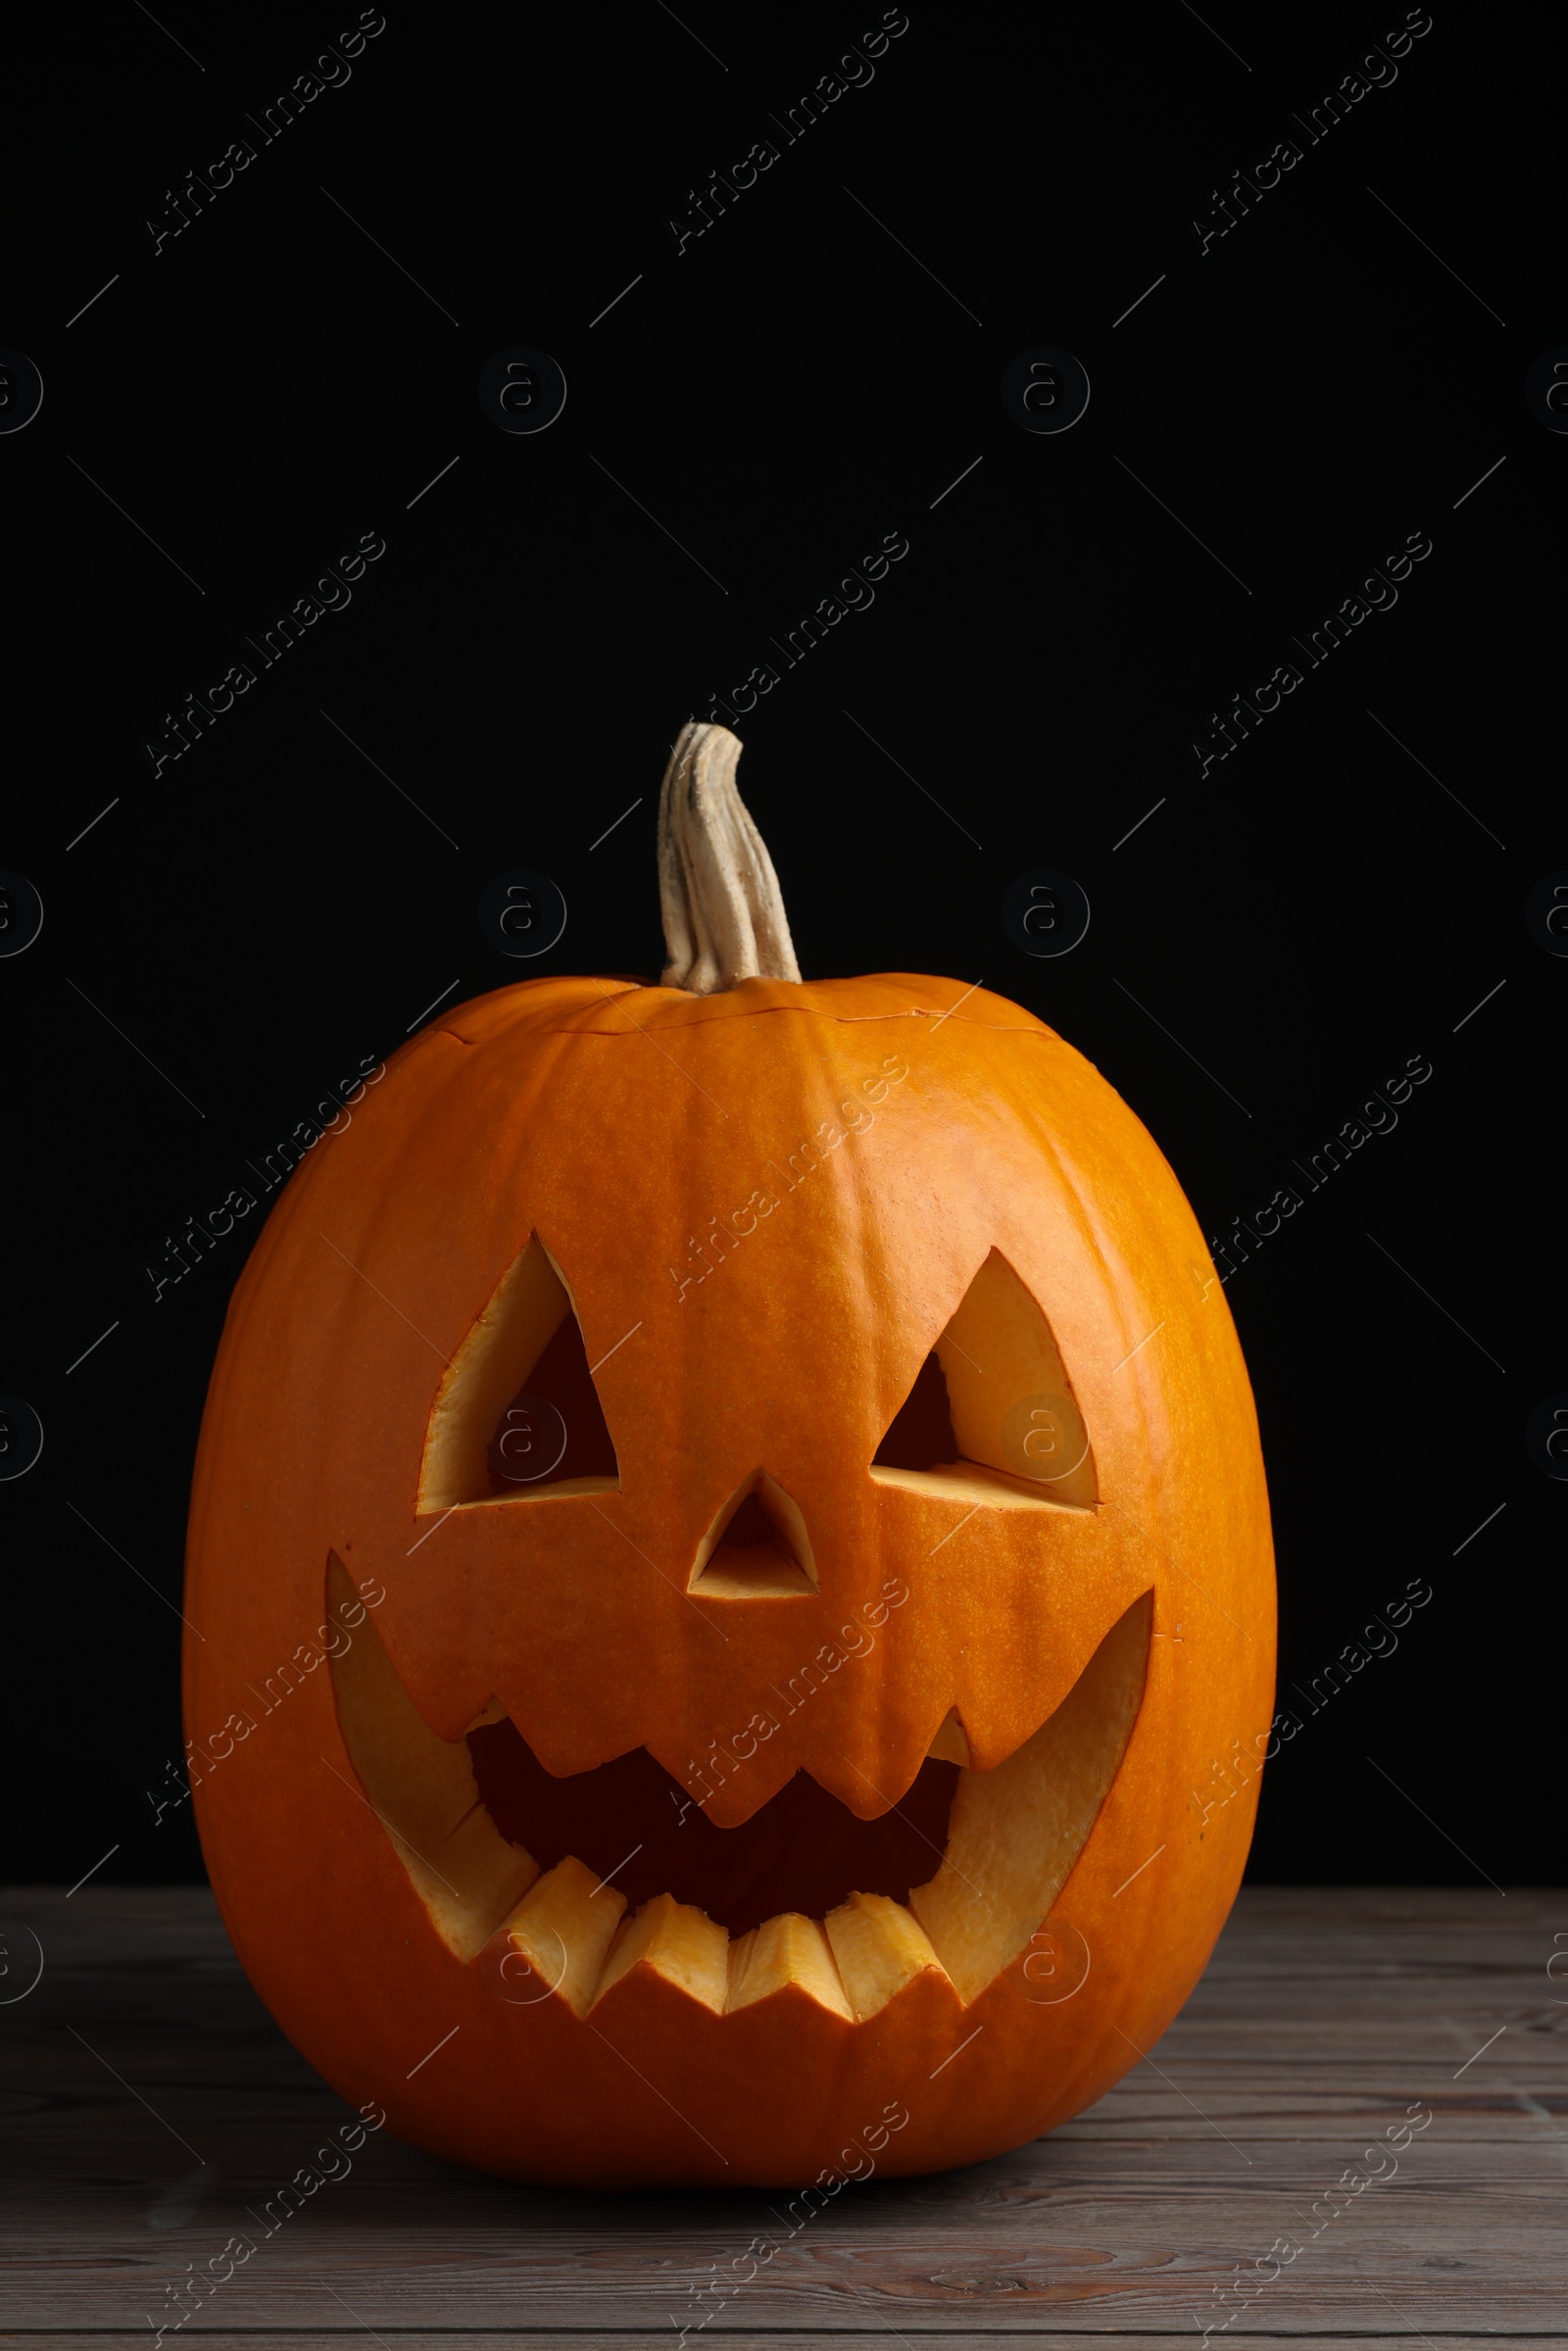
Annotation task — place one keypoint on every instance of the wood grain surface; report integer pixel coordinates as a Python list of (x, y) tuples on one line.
[(151, 2109)]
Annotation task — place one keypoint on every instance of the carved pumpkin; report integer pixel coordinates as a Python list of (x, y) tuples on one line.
[(729, 1527)]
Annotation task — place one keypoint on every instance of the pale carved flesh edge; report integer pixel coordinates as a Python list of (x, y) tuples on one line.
[(1013, 1836)]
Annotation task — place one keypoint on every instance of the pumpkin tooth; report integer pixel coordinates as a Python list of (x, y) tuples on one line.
[(741, 1948), (789, 1951), (1014, 1832), (878, 1947), (949, 1742), (477, 1876), (562, 1930), (677, 1942)]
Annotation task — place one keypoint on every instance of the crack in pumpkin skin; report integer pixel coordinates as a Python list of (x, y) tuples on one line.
[(883, 998), (811, 1333)]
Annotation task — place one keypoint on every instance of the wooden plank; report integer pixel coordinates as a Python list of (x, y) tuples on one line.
[(800, 2339), (1322, 2017)]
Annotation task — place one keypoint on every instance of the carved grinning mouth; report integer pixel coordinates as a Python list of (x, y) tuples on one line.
[(635, 1826), (576, 1881)]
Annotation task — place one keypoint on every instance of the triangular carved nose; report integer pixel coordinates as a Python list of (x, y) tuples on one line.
[(757, 1548)]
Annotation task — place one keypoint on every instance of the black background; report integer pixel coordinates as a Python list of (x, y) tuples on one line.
[(279, 904)]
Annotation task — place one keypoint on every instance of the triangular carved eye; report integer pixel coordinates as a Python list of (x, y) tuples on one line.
[(993, 1414), (516, 1413), (921, 1435)]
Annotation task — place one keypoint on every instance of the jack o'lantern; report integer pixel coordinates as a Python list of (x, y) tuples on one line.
[(729, 1528)]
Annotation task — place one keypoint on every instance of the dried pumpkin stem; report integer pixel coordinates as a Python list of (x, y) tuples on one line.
[(723, 913)]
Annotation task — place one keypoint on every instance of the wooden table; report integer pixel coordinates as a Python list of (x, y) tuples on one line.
[(149, 2102)]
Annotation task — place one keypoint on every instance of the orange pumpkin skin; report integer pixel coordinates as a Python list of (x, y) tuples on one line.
[(616, 1123)]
